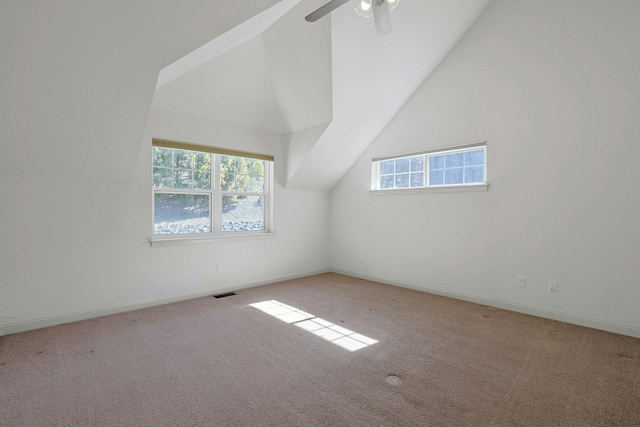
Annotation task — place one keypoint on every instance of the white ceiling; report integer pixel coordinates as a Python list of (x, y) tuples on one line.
[(331, 85)]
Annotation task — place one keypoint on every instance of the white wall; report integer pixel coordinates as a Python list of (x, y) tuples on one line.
[(76, 86), (301, 217), (553, 86), (85, 252)]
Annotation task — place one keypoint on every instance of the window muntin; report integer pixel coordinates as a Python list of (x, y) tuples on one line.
[(199, 192), (447, 167)]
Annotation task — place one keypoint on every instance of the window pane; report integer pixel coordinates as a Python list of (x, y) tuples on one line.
[(436, 162), (474, 174), (162, 177), (227, 181), (241, 183), (475, 157), (202, 180), (203, 162), (417, 164), (402, 180), (174, 168), (241, 174), (417, 179), (241, 165), (454, 160), (256, 169), (386, 181), (181, 213), (386, 167), (402, 165), (227, 175), (226, 164), (453, 176), (183, 159), (435, 177), (256, 185), (182, 178), (242, 213), (162, 157)]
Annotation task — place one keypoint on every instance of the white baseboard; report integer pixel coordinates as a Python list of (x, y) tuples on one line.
[(28, 325), (575, 319), (589, 322)]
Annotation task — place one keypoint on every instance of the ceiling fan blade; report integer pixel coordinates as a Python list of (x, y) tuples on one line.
[(325, 10)]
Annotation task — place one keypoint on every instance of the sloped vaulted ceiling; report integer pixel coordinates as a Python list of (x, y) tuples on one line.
[(277, 79), (78, 76), (332, 85)]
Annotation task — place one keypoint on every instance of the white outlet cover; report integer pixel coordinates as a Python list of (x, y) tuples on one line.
[(522, 281), (553, 286)]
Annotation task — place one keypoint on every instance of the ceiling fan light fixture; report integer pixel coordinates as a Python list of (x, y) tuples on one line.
[(393, 4), (364, 8), (379, 9)]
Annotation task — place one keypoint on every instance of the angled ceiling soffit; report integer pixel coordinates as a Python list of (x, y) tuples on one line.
[(238, 35)]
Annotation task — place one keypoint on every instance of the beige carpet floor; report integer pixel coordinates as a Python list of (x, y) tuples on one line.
[(209, 362)]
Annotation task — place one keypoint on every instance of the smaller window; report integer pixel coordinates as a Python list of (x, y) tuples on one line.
[(454, 166)]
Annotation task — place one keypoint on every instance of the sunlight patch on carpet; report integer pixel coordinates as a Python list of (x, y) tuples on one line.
[(281, 311), (324, 329)]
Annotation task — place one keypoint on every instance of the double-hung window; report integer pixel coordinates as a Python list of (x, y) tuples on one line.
[(204, 191), (460, 166)]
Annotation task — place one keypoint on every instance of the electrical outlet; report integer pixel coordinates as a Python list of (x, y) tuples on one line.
[(553, 286), (522, 282), (218, 267)]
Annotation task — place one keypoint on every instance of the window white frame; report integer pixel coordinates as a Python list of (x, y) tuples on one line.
[(426, 185), (215, 194)]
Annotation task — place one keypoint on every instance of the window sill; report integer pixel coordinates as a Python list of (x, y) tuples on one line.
[(433, 189), (192, 240)]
